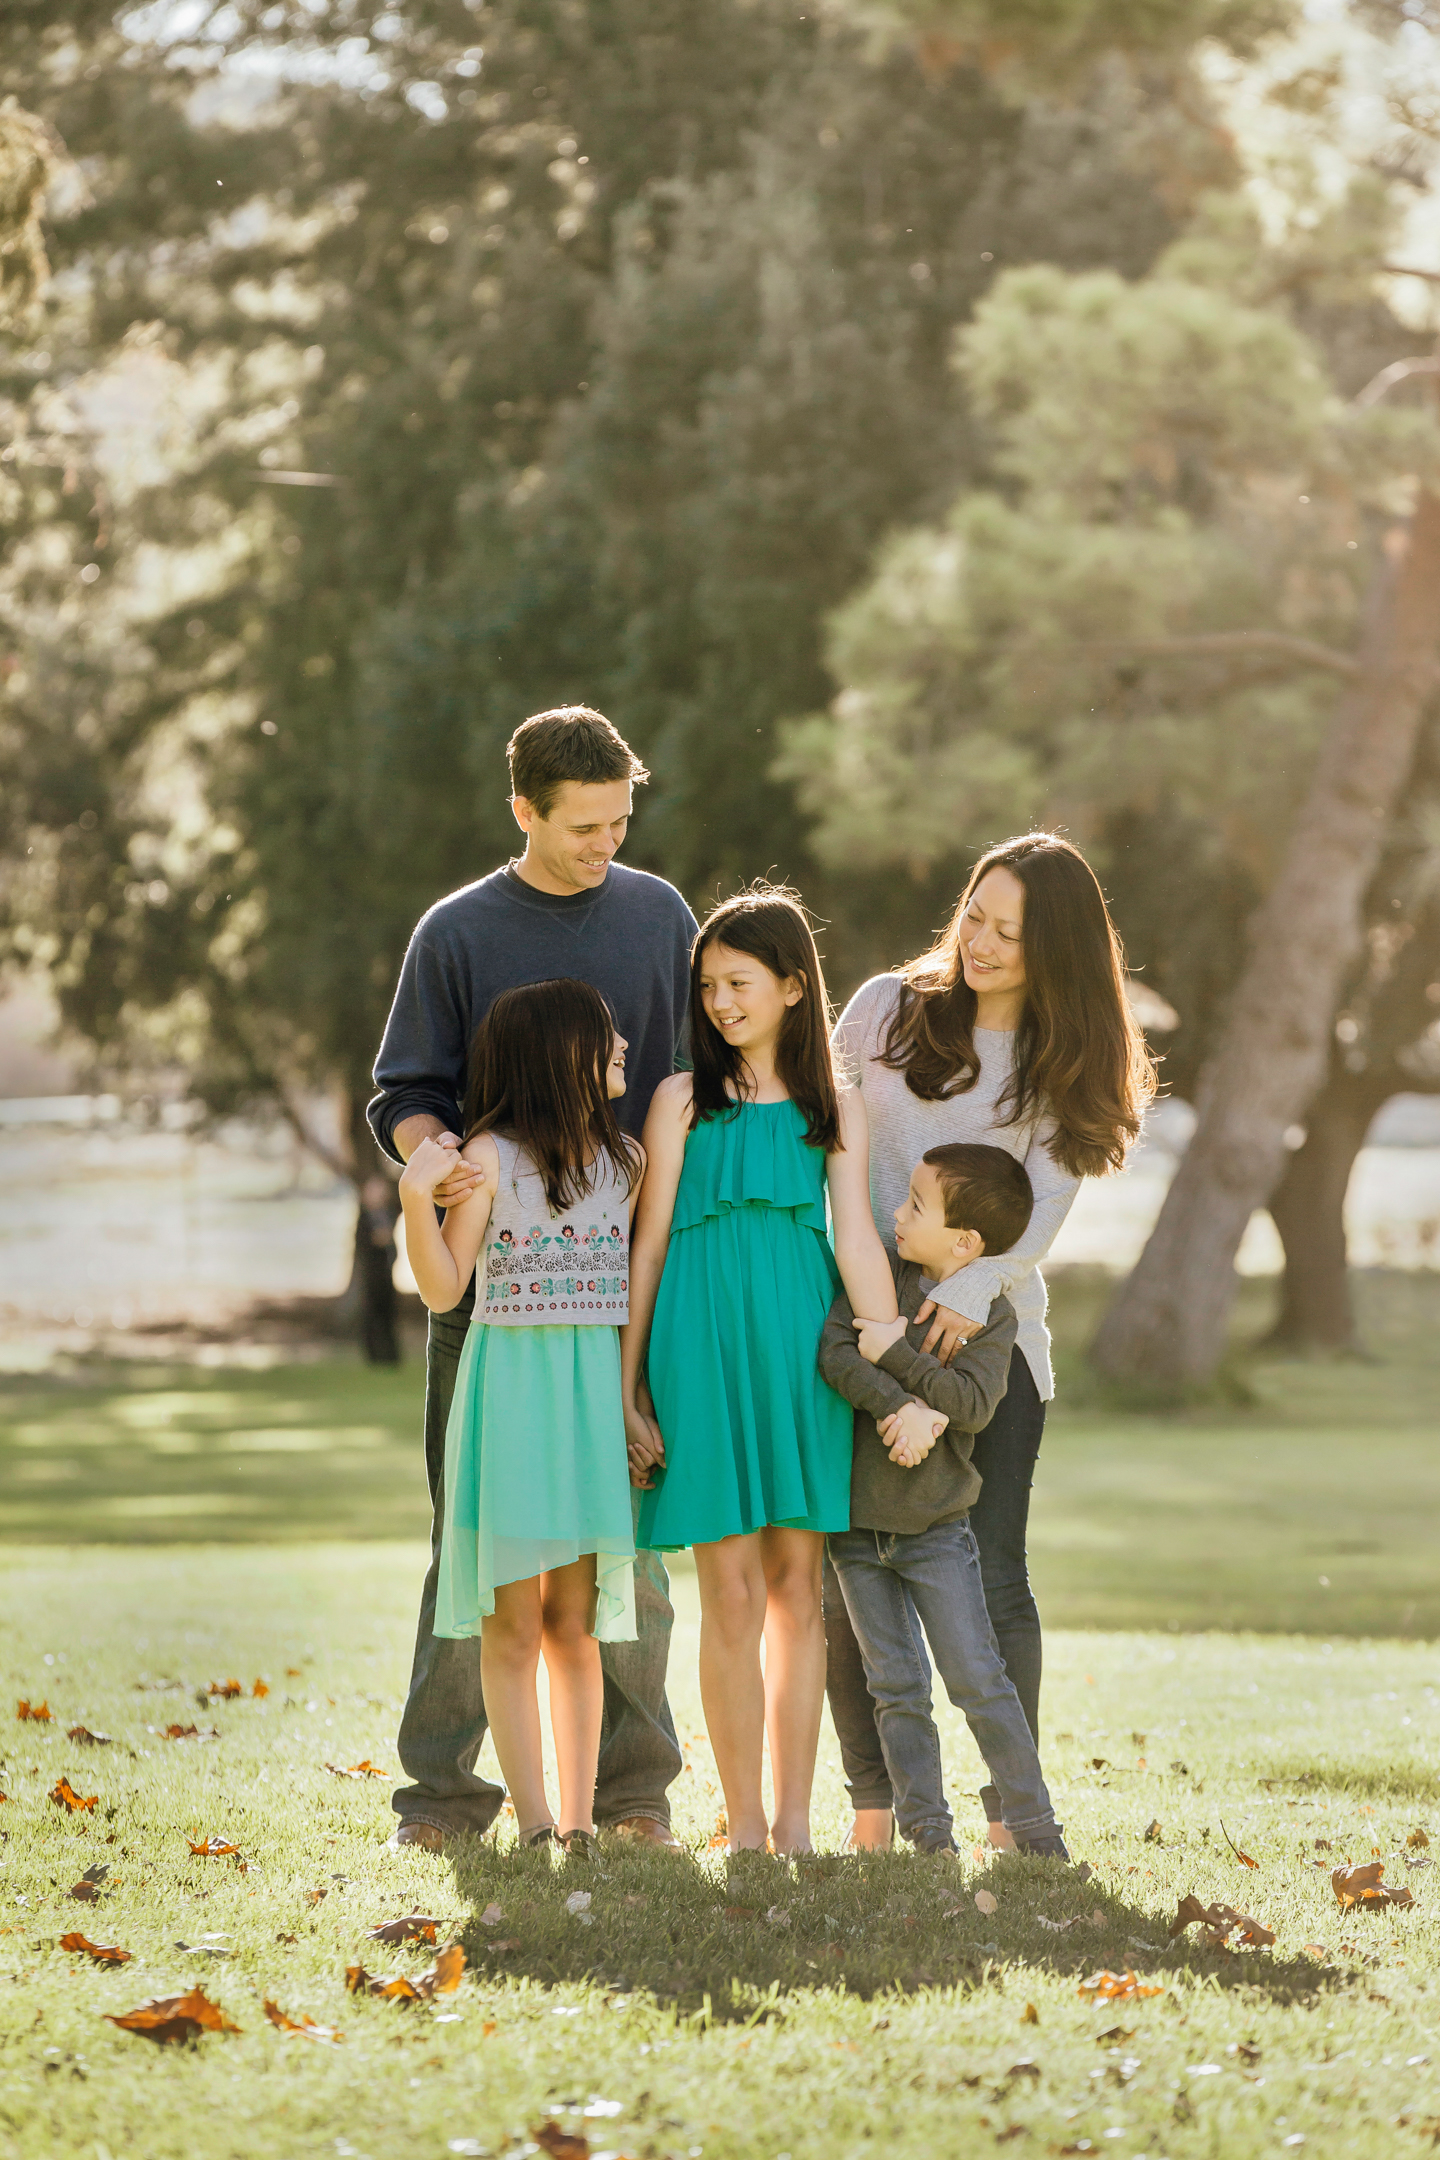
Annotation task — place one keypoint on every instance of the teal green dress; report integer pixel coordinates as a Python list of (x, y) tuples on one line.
[(536, 1474), (753, 1435)]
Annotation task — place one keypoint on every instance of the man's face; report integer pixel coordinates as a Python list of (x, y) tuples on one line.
[(572, 847)]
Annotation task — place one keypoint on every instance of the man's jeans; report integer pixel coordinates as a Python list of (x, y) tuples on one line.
[(444, 1722), (1005, 1455), (893, 1586)]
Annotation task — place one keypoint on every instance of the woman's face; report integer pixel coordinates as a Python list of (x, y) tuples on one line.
[(615, 1070), (992, 933)]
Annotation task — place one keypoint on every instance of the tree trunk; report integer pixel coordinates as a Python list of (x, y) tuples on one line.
[(1308, 1206), (371, 1296), (1167, 1325)]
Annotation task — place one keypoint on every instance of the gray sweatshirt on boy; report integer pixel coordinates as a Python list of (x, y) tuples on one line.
[(945, 1486)]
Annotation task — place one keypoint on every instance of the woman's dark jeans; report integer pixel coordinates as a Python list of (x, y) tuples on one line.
[(1004, 1455)]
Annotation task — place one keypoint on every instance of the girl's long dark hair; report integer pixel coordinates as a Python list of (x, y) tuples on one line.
[(769, 923), (1079, 1056), (537, 1074)]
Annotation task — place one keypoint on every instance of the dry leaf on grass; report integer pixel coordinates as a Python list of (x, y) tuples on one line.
[(492, 1916), (561, 2144), (443, 1978), (1417, 1840), (410, 1927), (224, 1690), (1115, 1987), (63, 1793), (1243, 1857), (986, 1902), (103, 1953), (214, 1848), (1029, 2015), (318, 1895), (1219, 1921), (261, 1689), (83, 1737), (301, 2028), (357, 1770), (175, 2017), (720, 1835), (184, 1732), (1362, 1887), (1060, 1927), (37, 1713), (1153, 1833), (1115, 2033), (283, 1938), (87, 1890)]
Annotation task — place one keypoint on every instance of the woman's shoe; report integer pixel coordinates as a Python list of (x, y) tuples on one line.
[(580, 1845), (534, 1840)]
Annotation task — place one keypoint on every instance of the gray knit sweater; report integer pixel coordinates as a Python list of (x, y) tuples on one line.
[(902, 1127)]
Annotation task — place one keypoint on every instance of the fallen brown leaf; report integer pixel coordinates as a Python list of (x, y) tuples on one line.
[(1115, 1987), (302, 2028), (1153, 1832), (1115, 2033), (83, 1737), (87, 1890), (561, 2144), (1362, 1887), (986, 1901), (410, 1927), (1417, 1840), (63, 1793), (103, 1953), (283, 1938), (1243, 1857), (187, 1732), (292, 1672), (224, 1690), (720, 1835), (357, 1770), (175, 2017), (261, 1689), (1099, 1762), (1324, 1844), (1219, 1921), (1029, 2015), (37, 1713), (318, 1895), (214, 1848), (443, 1978)]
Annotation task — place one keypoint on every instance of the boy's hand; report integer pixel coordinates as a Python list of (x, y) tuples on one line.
[(911, 1432), (644, 1447), (433, 1165), (874, 1337)]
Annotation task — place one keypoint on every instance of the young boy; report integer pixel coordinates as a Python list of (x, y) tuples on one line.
[(910, 1552)]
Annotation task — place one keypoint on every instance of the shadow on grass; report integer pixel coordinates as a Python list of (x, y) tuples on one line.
[(734, 1938)]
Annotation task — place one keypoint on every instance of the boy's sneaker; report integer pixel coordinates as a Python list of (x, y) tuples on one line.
[(1044, 1848)]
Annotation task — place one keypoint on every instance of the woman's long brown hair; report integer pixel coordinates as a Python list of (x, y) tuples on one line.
[(537, 1074), (1080, 1059), (769, 923)]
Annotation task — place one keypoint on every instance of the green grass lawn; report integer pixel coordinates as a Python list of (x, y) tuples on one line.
[(836, 2009)]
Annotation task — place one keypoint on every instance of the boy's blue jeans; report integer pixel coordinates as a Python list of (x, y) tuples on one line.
[(893, 1586), (444, 1721)]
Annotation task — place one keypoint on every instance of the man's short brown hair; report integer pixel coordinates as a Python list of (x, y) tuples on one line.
[(985, 1190), (569, 743)]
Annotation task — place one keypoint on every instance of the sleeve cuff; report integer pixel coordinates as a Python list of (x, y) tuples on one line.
[(971, 1292)]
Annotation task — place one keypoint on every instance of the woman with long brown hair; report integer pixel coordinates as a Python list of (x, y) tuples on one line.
[(1014, 1030)]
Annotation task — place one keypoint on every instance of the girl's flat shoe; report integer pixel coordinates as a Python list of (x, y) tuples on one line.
[(533, 1840), (580, 1845)]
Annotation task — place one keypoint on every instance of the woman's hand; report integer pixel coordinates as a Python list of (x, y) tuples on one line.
[(644, 1445), (950, 1330)]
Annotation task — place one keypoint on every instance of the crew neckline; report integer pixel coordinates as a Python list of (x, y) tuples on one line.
[(522, 889)]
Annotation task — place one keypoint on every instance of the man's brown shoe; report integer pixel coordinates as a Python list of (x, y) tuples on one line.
[(644, 1830), (423, 1834)]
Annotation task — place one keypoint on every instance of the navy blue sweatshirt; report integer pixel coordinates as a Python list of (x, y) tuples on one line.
[(629, 938)]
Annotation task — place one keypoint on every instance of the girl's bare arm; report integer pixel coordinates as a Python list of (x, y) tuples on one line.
[(859, 1254), (665, 1131), (442, 1258)]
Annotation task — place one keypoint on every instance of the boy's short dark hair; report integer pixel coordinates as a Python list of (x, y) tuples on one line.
[(569, 743), (986, 1190)]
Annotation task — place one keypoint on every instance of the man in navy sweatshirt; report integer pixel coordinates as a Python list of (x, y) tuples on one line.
[(563, 907)]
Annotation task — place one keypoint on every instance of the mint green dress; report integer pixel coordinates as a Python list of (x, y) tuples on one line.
[(753, 1435), (536, 1474)]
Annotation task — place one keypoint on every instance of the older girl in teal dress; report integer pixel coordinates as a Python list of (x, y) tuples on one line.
[(741, 1448), (537, 1546)]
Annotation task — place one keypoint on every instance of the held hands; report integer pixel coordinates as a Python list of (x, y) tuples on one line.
[(911, 1432), (949, 1331), (643, 1445), (438, 1171), (875, 1336)]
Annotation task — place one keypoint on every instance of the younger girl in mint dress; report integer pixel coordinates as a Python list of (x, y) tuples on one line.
[(537, 1547)]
